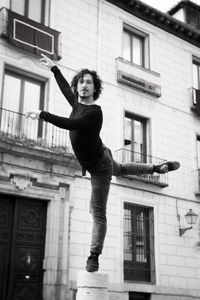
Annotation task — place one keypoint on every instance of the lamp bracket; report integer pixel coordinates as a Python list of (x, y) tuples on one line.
[(183, 230)]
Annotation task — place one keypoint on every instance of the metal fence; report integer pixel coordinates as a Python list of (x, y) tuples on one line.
[(16, 127), (123, 156)]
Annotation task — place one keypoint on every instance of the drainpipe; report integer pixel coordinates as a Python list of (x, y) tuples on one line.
[(99, 12)]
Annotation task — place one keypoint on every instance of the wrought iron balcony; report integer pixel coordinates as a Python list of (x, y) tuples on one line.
[(124, 156), (16, 128)]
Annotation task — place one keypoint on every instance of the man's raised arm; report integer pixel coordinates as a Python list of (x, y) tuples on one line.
[(60, 79)]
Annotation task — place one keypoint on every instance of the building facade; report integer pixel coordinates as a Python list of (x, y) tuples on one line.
[(149, 62)]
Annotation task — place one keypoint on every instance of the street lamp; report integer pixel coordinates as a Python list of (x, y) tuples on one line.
[(191, 219)]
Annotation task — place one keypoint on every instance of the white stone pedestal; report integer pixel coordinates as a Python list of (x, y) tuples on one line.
[(92, 286)]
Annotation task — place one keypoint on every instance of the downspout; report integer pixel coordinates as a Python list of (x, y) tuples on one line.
[(99, 14)]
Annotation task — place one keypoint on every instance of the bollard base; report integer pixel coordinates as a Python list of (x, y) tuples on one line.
[(92, 286)]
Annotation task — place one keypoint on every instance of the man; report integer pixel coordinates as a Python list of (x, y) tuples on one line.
[(84, 125)]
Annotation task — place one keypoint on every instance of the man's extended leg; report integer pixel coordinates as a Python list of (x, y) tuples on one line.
[(100, 191), (167, 166), (132, 168)]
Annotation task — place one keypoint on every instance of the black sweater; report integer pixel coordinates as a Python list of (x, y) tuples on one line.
[(84, 124)]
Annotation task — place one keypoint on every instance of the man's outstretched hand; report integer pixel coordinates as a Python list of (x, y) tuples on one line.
[(34, 114), (46, 61)]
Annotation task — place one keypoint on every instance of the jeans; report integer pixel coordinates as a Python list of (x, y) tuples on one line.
[(100, 181)]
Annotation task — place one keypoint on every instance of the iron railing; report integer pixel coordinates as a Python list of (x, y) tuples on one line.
[(123, 156), (16, 127), (139, 265)]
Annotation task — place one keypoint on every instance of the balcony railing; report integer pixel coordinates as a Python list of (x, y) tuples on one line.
[(138, 77), (124, 156), (16, 128)]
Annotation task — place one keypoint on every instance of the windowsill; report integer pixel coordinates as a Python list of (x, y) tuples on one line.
[(133, 287), (151, 179), (36, 150), (125, 156), (143, 79)]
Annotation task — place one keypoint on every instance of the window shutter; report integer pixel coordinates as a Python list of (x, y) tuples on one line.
[(32, 36), (198, 102)]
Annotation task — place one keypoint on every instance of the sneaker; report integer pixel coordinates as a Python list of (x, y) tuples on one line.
[(92, 263), (167, 167)]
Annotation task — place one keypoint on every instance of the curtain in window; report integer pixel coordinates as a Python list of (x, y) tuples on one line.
[(198, 102)]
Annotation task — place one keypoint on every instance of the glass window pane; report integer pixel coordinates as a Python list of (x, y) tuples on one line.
[(126, 46), (18, 6), (127, 235), (11, 96), (134, 140), (198, 151), (140, 238), (137, 50), (127, 140), (31, 102), (11, 102), (138, 132), (25, 95), (35, 8), (128, 131), (195, 70), (31, 96), (138, 141)]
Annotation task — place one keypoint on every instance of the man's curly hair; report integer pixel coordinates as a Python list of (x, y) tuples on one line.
[(97, 82)]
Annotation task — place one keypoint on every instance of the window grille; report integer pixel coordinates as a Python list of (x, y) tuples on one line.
[(138, 244), (139, 296)]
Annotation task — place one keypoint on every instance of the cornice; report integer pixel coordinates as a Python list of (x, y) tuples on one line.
[(159, 19)]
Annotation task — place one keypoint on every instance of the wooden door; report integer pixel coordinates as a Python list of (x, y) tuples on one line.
[(22, 241)]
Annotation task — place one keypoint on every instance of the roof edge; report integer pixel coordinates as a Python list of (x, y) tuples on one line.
[(159, 19)]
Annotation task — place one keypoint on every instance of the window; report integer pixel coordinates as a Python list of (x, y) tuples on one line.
[(196, 86), (135, 138), (135, 46), (139, 296), (32, 9), (27, 93), (138, 243), (198, 162), (26, 26), (198, 151), (196, 74)]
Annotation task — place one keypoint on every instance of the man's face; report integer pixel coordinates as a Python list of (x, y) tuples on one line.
[(85, 86)]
